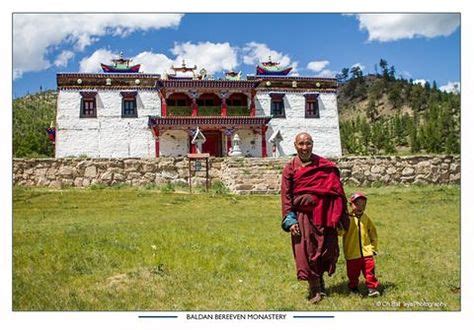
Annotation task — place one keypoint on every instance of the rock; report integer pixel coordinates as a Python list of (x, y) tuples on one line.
[(408, 171), (391, 170), (56, 184), (455, 178), (134, 176), (90, 172), (43, 181), (377, 169), (107, 176), (67, 183), (66, 172), (173, 174), (436, 161), (243, 187), (455, 167), (78, 182)]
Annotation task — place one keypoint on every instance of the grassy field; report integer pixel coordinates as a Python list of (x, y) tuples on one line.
[(143, 249)]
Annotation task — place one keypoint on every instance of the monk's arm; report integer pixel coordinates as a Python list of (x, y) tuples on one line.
[(288, 214)]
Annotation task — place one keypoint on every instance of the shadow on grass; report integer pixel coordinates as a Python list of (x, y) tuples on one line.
[(342, 289)]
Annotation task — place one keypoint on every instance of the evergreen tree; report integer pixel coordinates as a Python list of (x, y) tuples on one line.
[(371, 110)]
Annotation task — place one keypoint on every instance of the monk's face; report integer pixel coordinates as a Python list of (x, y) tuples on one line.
[(304, 146)]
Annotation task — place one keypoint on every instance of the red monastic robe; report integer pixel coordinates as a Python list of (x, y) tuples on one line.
[(316, 194)]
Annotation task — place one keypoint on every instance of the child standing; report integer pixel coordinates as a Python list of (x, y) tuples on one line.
[(360, 246)]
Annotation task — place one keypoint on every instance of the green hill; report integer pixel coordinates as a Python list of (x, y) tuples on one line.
[(380, 114), (32, 114)]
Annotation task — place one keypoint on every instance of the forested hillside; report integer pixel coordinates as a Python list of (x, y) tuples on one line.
[(32, 115), (380, 114)]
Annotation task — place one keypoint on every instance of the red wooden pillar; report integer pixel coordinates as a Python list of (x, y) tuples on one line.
[(156, 135), (264, 141), (163, 106), (252, 104), (223, 107), (194, 107)]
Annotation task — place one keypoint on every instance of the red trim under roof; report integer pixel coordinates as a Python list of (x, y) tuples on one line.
[(208, 122)]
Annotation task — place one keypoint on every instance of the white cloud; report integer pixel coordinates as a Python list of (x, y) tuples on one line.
[(63, 58), (36, 35), (91, 64), (214, 57), (153, 63), (451, 87), (421, 82), (217, 57), (327, 74), (390, 27), (317, 66), (255, 53), (362, 67)]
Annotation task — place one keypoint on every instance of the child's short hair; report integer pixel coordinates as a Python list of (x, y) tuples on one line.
[(357, 195)]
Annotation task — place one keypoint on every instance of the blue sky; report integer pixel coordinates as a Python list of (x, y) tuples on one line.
[(422, 47)]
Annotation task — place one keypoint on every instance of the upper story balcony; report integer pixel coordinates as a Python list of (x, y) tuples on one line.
[(207, 104)]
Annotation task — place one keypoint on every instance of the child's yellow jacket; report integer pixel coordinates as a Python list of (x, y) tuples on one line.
[(360, 239)]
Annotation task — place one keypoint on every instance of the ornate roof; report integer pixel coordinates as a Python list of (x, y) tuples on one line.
[(121, 64), (196, 84), (271, 68)]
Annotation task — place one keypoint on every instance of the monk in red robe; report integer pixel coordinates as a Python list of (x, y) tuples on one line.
[(313, 207)]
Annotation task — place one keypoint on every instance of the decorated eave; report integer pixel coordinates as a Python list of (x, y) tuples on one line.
[(120, 65), (295, 83), (78, 81), (209, 122), (207, 84), (271, 68)]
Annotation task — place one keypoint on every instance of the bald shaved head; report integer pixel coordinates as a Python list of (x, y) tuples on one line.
[(301, 135)]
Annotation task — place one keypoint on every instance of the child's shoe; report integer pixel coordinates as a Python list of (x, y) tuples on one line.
[(373, 292)]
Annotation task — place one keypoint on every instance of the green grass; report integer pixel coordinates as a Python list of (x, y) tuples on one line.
[(144, 249)]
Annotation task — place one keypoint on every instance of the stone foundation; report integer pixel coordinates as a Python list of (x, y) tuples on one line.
[(239, 175)]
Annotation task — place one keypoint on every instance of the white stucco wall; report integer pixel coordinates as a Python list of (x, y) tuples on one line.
[(324, 130), (108, 135), (174, 143)]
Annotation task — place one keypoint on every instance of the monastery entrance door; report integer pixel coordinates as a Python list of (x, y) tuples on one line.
[(213, 144)]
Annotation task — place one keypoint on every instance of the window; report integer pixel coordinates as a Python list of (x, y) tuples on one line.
[(129, 104), (88, 105), (277, 109), (312, 106)]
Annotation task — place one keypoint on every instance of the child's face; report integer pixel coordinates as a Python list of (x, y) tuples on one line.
[(358, 206)]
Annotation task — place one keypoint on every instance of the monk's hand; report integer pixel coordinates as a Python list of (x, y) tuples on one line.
[(295, 230)]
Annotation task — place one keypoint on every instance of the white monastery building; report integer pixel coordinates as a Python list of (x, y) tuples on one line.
[(123, 113)]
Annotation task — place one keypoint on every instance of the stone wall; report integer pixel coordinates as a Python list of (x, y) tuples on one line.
[(240, 175)]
